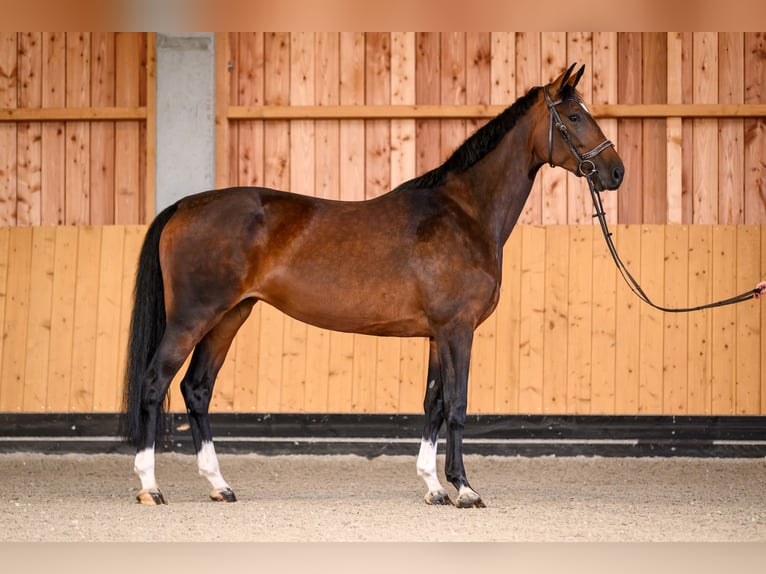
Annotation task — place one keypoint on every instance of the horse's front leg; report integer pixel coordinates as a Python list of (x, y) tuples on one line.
[(454, 357), (433, 406)]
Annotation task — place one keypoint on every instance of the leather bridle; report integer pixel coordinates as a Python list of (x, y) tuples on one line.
[(585, 165), (587, 169)]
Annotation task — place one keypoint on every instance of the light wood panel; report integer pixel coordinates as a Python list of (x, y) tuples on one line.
[(71, 103), (567, 337)]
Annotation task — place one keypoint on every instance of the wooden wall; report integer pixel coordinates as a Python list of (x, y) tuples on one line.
[(349, 116), (312, 112), (567, 337), (73, 128)]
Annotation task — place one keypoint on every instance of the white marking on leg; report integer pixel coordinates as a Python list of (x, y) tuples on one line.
[(143, 466), (427, 465), (207, 462)]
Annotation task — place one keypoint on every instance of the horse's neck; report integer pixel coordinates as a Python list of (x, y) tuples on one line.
[(501, 183)]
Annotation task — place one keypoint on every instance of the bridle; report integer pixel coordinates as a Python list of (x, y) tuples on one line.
[(587, 169), (585, 166)]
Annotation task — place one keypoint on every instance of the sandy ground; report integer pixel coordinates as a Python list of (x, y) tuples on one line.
[(349, 498)]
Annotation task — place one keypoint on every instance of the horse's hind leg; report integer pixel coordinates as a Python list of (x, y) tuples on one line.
[(434, 409), (197, 389), (173, 349)]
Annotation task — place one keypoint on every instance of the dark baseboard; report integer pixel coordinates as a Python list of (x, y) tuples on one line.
[(372, 435)]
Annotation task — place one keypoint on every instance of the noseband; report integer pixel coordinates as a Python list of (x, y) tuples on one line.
[(585, 165)]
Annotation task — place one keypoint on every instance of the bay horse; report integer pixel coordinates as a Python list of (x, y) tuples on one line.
[(423, 260)]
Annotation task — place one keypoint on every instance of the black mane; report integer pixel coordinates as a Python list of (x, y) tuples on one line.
[(483, 141)]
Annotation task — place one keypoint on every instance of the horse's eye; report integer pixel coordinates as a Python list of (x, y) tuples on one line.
[(574, 118)]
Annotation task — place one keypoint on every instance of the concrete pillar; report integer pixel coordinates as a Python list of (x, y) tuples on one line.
[(185, 115)]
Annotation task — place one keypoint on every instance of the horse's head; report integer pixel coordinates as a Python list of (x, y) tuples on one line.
[(572, 137)]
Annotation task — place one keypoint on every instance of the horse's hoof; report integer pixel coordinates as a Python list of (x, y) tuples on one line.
[(437, 498), (468, 498), (152, 497), (224, 495)]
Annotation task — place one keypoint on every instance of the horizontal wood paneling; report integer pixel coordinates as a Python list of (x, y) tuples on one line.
[(568, 337)]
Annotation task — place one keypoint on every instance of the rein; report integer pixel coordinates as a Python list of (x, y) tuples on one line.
[(587, 169)]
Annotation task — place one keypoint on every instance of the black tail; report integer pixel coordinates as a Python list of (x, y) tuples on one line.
[(147, 326)]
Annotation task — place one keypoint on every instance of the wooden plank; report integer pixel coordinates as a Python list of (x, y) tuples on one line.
[(654, 91), (508, 323), (503, 68), (134, 236), (748, 368), (101, 114), (414, 351), (553, 181), (326, 184), (604, 94), (427, 91), (223, 57), (39, 323), (8, 99), (687, 130), (731, 88), (327, 177), (402, 111), (527, 76), (763, 325), (532, 324), (29, 134), (302, 168), (630, 138), (723, 348), (674, 131), (579, 202), (557, 277), (17, 303), (628, 312), (53, 146), (676, 325), (377, 132), (503, 94), (102, 160), (352, 182), (150, 130), (277, 175), (250, 78), (706, 160), (453, 89), (478, 74), (249, 134), (755, 130), (5, 233), (603, 333), (650, 391), (85, 319), (477, 87), (107, 371), (579, 319), (385, 353), (127, 78), (77, 173), (700, 324), (59, 366)]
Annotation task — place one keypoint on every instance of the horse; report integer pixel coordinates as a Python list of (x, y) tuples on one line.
[(422, 260)]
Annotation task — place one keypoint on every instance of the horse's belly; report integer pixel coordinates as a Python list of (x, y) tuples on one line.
[(371, 311)]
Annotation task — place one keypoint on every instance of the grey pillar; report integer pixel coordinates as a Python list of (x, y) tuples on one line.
[(185, 115)]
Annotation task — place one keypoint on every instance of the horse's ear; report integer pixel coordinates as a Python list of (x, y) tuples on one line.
[(562, 80), (578, 75)]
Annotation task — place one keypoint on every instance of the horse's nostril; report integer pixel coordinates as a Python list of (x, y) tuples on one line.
[(617, 174)]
